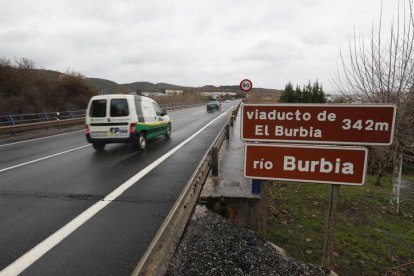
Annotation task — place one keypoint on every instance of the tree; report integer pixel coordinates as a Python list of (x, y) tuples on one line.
[(289, 95), (309, 94), (240, 95), (26, 89), (381, 70)]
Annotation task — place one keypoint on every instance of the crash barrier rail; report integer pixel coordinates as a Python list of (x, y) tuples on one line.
[(13, 124), (157, 257), (180, 105), (19, 119)]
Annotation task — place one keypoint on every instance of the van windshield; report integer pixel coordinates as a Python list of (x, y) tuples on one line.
[(98, 108), (119, 108)]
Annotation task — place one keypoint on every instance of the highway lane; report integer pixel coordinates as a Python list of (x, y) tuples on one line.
[(24, 151), (38, 199)]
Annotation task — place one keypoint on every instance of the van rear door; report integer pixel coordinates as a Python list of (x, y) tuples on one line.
[(109, 118)]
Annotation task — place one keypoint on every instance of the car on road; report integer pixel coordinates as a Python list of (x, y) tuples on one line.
[(119, 118), (227, 101), (213, 106)]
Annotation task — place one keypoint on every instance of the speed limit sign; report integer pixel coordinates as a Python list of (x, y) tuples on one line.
[(246, 85)]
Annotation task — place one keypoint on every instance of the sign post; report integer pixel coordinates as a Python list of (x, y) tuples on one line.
[(328, 246)]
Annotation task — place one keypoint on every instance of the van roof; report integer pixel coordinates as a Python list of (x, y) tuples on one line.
[(122, 96)]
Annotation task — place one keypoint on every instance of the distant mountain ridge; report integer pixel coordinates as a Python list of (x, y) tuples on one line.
[(109, 86)]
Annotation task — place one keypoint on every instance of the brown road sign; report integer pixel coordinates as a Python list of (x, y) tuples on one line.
[(351, 124), (320, 164)]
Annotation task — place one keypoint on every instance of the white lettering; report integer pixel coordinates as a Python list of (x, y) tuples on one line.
[(326, 166), (323, 166), (306, 116), (289, 163), (348, 168), (275, 115), (279, 131), (331, 117), (303, 166), (250, 115), (258, 130), (298, 132), (267, 165), (322, 116)]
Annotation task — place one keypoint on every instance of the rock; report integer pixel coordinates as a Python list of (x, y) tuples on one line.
[(213, 246)]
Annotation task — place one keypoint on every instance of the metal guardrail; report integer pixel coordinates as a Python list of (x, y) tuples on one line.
[(12, 120), (157, 257), (180, 105), (12, 130)]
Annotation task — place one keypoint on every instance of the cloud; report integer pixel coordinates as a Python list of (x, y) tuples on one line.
[(185, 42)]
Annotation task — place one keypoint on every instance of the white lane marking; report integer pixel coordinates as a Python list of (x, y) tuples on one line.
[(19, 265), (40, 159), (25, 141)]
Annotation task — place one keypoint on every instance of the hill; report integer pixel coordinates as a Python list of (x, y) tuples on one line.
[(26, 89), (107, 85), (143, 86)]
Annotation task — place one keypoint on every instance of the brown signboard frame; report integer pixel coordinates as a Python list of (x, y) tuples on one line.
[(321, 141), (309, 147)]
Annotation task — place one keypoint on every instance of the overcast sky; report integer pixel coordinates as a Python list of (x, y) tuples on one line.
[(188, 42)]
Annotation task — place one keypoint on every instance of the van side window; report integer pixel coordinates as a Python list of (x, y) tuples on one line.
[(98, 108), (157, 109), (148, 111), (138, 108), (119, 108)]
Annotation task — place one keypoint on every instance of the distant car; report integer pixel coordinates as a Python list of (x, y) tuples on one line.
[(227, 101), (125, 118), (213, 106)]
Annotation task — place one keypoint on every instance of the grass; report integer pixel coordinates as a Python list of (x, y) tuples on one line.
[(369, 240)]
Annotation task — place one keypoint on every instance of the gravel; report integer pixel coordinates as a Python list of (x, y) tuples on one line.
[(213, 246)]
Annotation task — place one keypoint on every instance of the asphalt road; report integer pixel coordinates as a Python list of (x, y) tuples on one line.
[(46, 183)]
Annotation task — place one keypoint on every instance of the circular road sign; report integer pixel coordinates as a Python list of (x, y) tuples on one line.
[(246, 85)]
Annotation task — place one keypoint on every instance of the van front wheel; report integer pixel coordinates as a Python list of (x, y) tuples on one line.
[(142, 141), (98, 145)]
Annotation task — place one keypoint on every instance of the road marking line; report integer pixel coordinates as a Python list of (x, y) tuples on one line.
[(40, 159), (25, 141), (19, 265)]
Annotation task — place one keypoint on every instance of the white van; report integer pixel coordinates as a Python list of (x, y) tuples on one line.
[(120, 118)]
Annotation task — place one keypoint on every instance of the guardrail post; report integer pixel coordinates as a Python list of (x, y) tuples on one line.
[(45, 115), (227, 132), (11, 121), (214, 157), (231, 120), (70, 115)]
